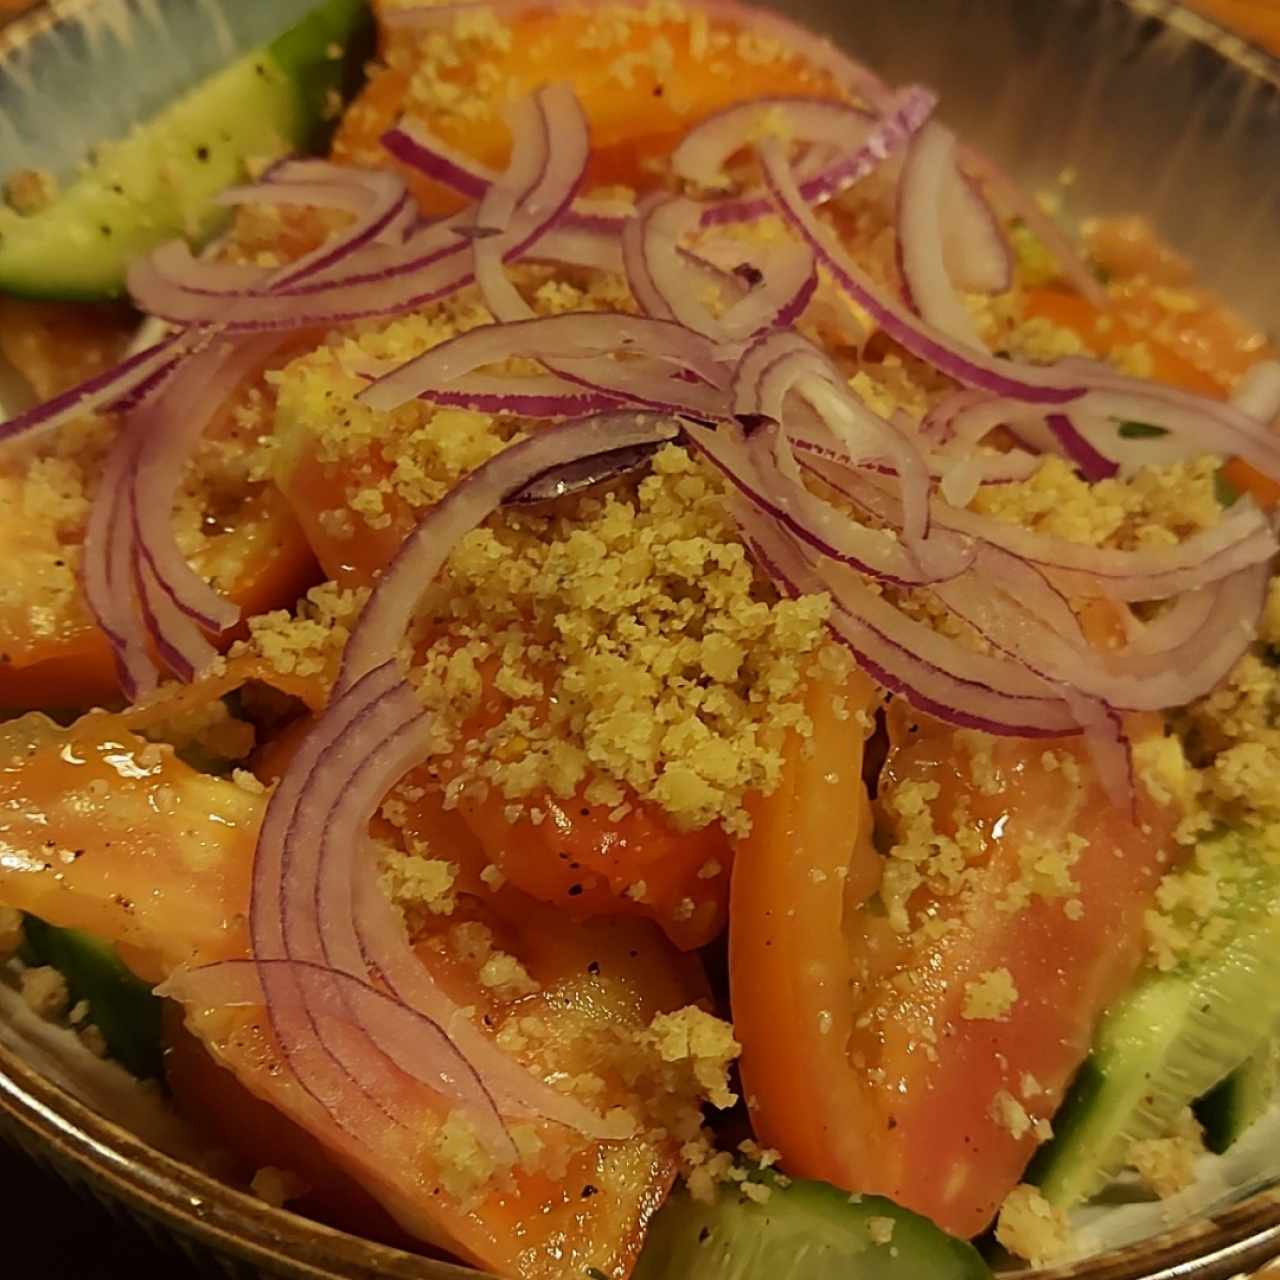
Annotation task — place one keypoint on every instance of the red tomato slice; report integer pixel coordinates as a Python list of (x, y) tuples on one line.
[(858, 1060), (641, 89), (111, 835), (52, 654)]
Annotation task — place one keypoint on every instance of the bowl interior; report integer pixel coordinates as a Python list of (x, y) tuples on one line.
[(1153, 110)]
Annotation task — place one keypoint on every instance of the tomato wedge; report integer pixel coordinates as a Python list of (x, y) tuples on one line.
[(1205, 350), (111, 835), (52, 653), (870, 1059), (789, 967), (1103, 332), (680, 68)]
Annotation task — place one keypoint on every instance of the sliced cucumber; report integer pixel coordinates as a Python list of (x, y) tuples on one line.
[(804, 1231), (1174, 1037), (125, 194), (120, 1006), (1227, 1111)]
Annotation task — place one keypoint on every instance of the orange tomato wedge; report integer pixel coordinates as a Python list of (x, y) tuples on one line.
[(1222, 355), (789, 967), (643, 84), (119, 838), (859, 1062)]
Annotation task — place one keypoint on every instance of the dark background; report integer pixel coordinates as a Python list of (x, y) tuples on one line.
[(54, 1233)]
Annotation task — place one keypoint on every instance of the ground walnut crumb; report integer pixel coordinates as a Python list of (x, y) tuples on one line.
[(990, 996), (1031, 1228), (10, 932), (45, 991), (1155, 507), (309, 641), (464, 1164), (28, 191), (922, 853), (277, 1186), (414, 882), (704, 1043), (1167, 1165), (880, 1229), (634, 645)]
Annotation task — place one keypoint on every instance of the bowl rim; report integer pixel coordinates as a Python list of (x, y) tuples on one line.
[(50, 1121)]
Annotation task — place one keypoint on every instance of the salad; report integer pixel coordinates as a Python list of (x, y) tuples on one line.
[(646, 668)]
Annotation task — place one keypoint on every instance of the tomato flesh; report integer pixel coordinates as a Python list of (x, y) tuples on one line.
[(866, 1064)]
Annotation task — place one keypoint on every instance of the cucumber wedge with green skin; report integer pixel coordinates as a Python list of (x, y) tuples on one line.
[(1230, 1109), (803, 1231), (120, 1005), (1174, 1037), (126, 192)]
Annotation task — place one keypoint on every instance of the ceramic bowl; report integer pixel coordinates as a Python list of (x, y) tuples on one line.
[(1155, 110)]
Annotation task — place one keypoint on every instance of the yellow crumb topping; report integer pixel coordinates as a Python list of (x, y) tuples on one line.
[(45, 991), (309, 641), (1167, 1165), (635, 645), (1031, 1228), (699, 1041), (277, 1186), (10, 932), (415, 882), (990, 996), (1155, 507), (880, 1229), (28, 191)]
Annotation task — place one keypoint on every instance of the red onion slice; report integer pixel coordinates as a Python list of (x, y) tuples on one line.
[(349, 1067), (1016, 607), (779, 363), (928, 174), (178, 642), (1243, 538), (1182, 675), (431, 264), (789, 279), (194, 396), (1200, 426), (564, 337), (1090, 433), (1019, 204), (357, 928), (666, 287), (703, 154), (932, 671), (384, 218), (545, 396), (1035, 384), (381, 740), (139, 586), (1257, 394), (993, 468), (108, 567), (337, 999), (377, 636), (975, 248), (1076, 446), (103, 392), (410, 142), (884, 140), (759, 470)]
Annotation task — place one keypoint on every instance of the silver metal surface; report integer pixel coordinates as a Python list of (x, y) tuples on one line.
[(1156, 110)]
